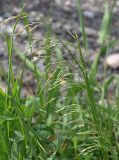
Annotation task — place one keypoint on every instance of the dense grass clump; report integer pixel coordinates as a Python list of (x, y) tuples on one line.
[(70, 117)]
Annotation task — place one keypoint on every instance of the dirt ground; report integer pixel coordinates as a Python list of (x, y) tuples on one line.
[(63, 17)]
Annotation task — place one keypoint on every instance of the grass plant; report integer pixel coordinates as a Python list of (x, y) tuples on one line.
[(67, 119)]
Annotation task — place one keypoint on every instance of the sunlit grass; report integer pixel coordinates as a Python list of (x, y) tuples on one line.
[(68, 118)]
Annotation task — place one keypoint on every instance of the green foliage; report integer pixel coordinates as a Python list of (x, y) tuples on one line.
[(67, 118)]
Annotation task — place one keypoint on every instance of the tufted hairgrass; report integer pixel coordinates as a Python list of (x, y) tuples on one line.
[(67, 119)]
